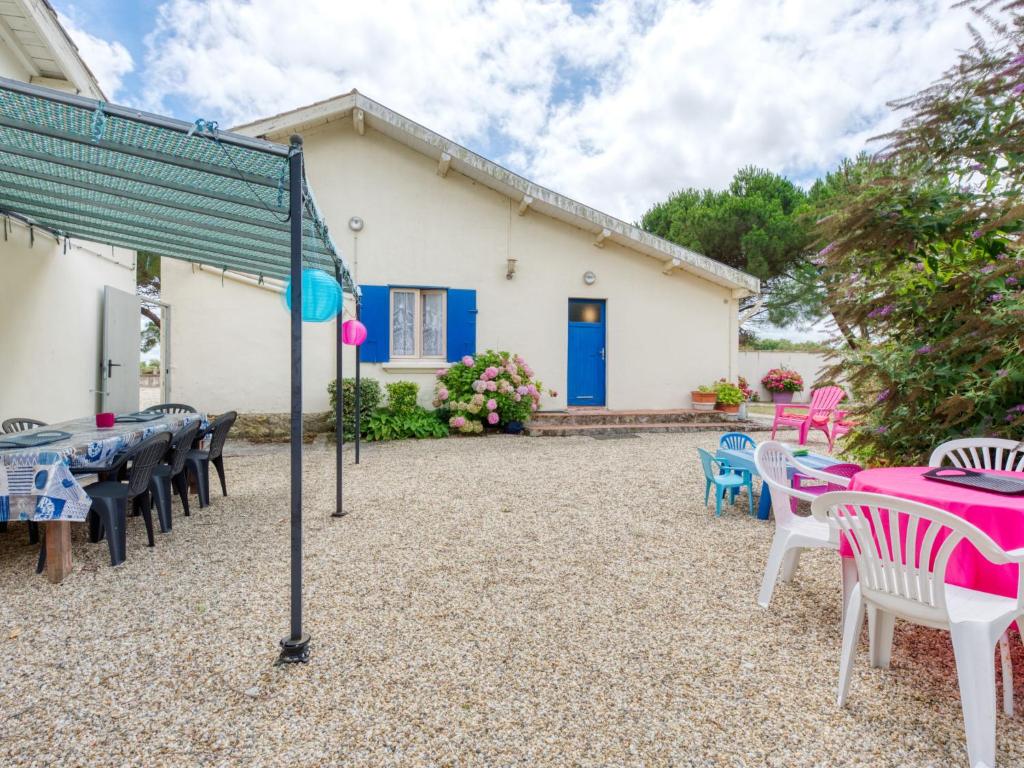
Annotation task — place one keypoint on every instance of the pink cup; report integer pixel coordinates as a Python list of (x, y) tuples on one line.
[(104, 420)]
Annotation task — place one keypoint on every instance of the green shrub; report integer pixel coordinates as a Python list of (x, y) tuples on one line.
[(728, 394), (402, 396), (417, 422), (369, 401)]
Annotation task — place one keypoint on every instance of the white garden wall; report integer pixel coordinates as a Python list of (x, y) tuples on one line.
[(753, 365)]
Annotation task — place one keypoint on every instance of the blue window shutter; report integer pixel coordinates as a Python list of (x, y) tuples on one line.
[(461, 324), (374, 309)]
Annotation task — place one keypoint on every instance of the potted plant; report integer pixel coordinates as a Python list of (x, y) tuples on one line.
[(703, 398), (782, 383), (728, 397)]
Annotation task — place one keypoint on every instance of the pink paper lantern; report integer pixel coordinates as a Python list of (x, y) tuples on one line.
[(353, 333)]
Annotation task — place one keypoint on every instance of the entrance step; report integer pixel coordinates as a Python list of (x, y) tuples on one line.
[(595, 422)]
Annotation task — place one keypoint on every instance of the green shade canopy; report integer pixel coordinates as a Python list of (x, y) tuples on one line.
[(85, 169)]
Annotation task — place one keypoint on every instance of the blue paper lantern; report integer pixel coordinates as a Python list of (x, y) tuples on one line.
[(321, 296)]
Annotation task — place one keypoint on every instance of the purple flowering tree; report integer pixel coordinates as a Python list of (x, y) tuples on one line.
[(924, 262)]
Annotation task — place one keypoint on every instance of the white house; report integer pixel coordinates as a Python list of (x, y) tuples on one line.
[(52, 291), (456, 254)]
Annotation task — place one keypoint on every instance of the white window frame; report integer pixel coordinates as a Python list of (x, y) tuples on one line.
[(419, 293)]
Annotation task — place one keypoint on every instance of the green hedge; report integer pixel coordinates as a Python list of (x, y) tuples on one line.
[(369, 401)]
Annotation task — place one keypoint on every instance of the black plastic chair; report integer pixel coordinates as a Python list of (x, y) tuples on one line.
[(198, 461), (110, 498), (171, 408), (171, 473), (21, 424)]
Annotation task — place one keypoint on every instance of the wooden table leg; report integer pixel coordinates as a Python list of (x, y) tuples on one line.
[(58, 550)]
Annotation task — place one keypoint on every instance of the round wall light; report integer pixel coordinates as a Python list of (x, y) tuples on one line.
[(355, 224), (589, 278)]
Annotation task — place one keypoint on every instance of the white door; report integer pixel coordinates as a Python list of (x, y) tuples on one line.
[(122, 336)]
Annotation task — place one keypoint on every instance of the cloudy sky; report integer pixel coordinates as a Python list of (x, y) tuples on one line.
[(615, 103)]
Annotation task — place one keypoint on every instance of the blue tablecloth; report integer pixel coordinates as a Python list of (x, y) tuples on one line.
[(744, 459), (37, 483)]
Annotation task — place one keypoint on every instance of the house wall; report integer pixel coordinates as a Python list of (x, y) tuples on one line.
[(666, 333), (230, 345), (51, 311)]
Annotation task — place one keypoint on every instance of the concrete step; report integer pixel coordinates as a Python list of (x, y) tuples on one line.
[(538, 428), (597, 416)]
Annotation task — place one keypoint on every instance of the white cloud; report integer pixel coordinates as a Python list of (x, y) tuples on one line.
[(109, 60), (666, 94)]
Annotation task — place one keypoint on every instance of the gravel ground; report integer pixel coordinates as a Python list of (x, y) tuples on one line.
[(487, 601)]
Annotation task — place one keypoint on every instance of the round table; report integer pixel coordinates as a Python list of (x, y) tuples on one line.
[(998, 515)]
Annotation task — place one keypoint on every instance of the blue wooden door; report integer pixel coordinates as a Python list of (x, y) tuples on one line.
[(586, 352)]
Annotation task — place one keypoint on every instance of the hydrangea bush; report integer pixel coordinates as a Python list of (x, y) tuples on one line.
[(493, 388), (782, 380)]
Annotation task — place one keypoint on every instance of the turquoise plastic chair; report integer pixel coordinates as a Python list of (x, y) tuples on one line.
[(736, 441), (727, 480)]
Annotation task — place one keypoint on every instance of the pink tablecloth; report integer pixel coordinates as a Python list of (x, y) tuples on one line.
[(1001, 517)]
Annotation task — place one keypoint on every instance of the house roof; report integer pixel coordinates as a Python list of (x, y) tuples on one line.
[(31, 30), (364, 112)]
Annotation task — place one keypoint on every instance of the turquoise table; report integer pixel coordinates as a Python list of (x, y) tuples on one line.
[(744, 459)]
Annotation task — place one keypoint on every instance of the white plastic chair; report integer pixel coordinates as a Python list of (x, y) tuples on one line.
[(980, 453), (793, 533), (897, 583)]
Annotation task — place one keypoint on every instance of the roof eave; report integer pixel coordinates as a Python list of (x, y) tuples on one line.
[(604, 226)]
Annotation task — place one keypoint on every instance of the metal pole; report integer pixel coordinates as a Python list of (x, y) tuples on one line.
[(295, 647), (358, 409), (339, 409)]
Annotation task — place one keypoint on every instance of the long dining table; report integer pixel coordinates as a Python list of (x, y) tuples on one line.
[(44, 483)]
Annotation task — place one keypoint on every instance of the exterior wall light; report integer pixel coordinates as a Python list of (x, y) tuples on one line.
[(589, 278), (510, 266), (355, 224)]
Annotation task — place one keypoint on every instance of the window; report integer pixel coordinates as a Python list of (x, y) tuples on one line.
[(418, 323)]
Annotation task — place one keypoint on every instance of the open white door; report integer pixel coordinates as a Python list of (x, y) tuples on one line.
[(122, 335)]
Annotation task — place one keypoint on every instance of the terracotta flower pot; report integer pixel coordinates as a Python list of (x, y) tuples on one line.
[(735, 408), (782, 397), (703, 401)]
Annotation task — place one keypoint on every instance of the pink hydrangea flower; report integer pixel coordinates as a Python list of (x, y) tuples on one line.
[(518, 397), (533, 406), (442, 394), (491, 372), (528, 371), (492, 386), (479, 386), (467, 361), (492, 417), (492, 404), (532, 389), (521, 390), (440, 372), (457, 422)]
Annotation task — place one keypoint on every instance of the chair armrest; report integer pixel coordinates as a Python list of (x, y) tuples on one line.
[(120, 460), (726, 467), (781, 408)]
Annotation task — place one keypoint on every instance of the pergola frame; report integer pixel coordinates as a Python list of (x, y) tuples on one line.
[(143, 189)]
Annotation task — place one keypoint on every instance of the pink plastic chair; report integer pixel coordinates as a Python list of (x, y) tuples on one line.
[(844, 471), (817, 415)]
